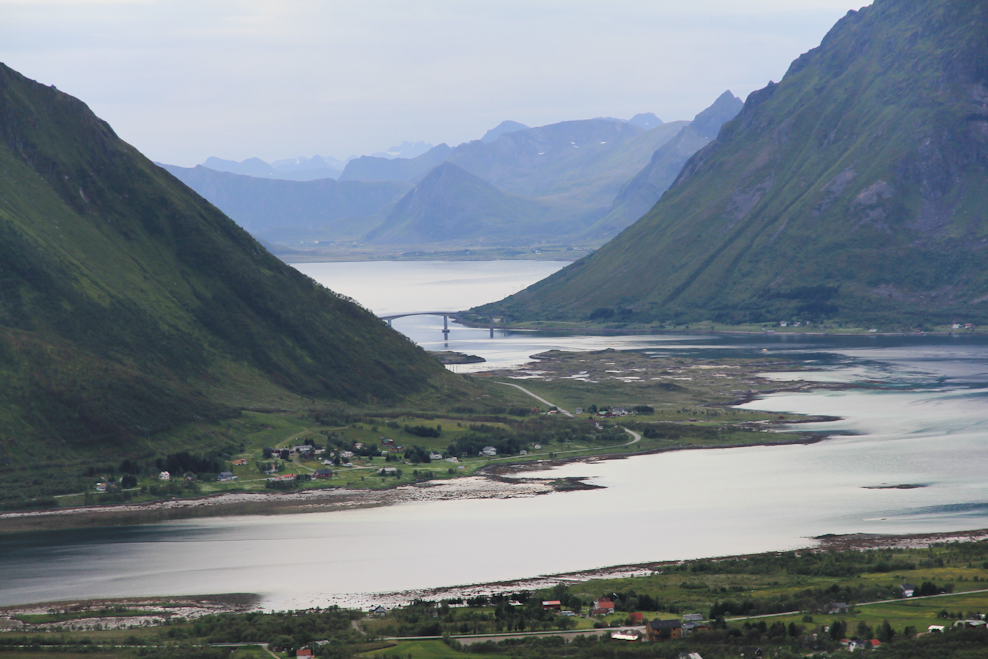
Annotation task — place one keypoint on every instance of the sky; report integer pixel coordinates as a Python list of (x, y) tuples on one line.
[(183, 80)]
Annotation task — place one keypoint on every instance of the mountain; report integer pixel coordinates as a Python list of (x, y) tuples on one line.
[(641, 192), (404, 150), (852, 191), (373, 168), (502, 128), (129, 305), (248, 167), (293, 169), (450, 204), (308, 169), (290, 211), (578, 166), (646, 120)]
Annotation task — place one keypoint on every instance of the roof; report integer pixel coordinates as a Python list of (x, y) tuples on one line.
[(551, 603), (665, 624)]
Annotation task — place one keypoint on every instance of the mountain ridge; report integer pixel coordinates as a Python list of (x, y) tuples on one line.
[(851, 191)]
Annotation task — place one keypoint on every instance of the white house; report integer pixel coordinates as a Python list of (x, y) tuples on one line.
[(489, 451), (435, 456), (164, 476)]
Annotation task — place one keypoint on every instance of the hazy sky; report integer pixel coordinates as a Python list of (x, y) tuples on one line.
[(183, 80)]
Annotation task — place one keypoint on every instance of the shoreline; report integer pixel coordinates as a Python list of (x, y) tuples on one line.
[(489, 482), (849, 542), (193, 606)]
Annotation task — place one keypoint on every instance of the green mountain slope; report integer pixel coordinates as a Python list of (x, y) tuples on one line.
[(130, 305), (854, 189), (450, 205), (286, 211)]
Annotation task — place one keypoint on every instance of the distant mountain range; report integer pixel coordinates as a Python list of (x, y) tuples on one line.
[(572, 181), (855, 190), (295, 169), (290, 212)]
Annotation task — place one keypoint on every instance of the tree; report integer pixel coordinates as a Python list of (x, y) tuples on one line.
[(837, 629), (885, 632)]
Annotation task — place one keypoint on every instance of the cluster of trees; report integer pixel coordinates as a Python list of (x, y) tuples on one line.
[(424, 431), (179, 463), (423, 618), (288, 631)]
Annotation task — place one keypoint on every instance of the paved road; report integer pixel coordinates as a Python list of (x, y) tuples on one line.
[(538, 398), (470, 639), (237, 645)]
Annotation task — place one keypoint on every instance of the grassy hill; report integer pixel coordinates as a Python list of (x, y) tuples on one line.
[(853, 190), (130, 306)]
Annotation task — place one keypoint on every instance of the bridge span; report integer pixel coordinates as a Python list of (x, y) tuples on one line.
[(445, 314)]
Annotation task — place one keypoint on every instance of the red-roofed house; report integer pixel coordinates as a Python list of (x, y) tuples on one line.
[(552, 605), (602, 607)]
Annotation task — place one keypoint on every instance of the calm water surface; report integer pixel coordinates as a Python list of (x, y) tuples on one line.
[(924, 422)]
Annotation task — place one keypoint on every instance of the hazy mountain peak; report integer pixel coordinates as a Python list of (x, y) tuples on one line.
[(708, 122), (646, 120), (248, 167), (404, 150), (507, 126)]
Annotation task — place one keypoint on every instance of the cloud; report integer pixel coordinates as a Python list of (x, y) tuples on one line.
[(183, 80)]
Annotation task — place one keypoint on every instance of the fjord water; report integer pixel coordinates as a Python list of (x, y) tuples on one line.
[(923, 421)]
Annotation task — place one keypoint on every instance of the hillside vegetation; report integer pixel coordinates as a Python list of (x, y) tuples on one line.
[(130, 306), (853, 190)]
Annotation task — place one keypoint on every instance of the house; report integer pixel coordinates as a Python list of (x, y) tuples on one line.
[(225, 476), (636, 618), (240, 463), (323, 473), (285, 477), (628, 636), (690, 655), (452, 459), (752, 651), (690, 627), (908, 589), (489, 451), (969, 623), (660, 630), (358, 445), (523, 452), (346, 454), (837, 607), (164, 476), (435, 456), (551, 605), (693, 617), (387, 442), (189, 476), (304, 652), (602, 607), (101, 487), (875, 643), (935, 628), (619, 411), (379, 611), (578, 410), (387, 471)]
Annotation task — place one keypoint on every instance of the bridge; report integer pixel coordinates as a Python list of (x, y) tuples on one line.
[(445, 314)]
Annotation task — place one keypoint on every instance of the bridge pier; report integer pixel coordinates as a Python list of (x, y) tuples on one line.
[(492, 327), (445, 327)]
